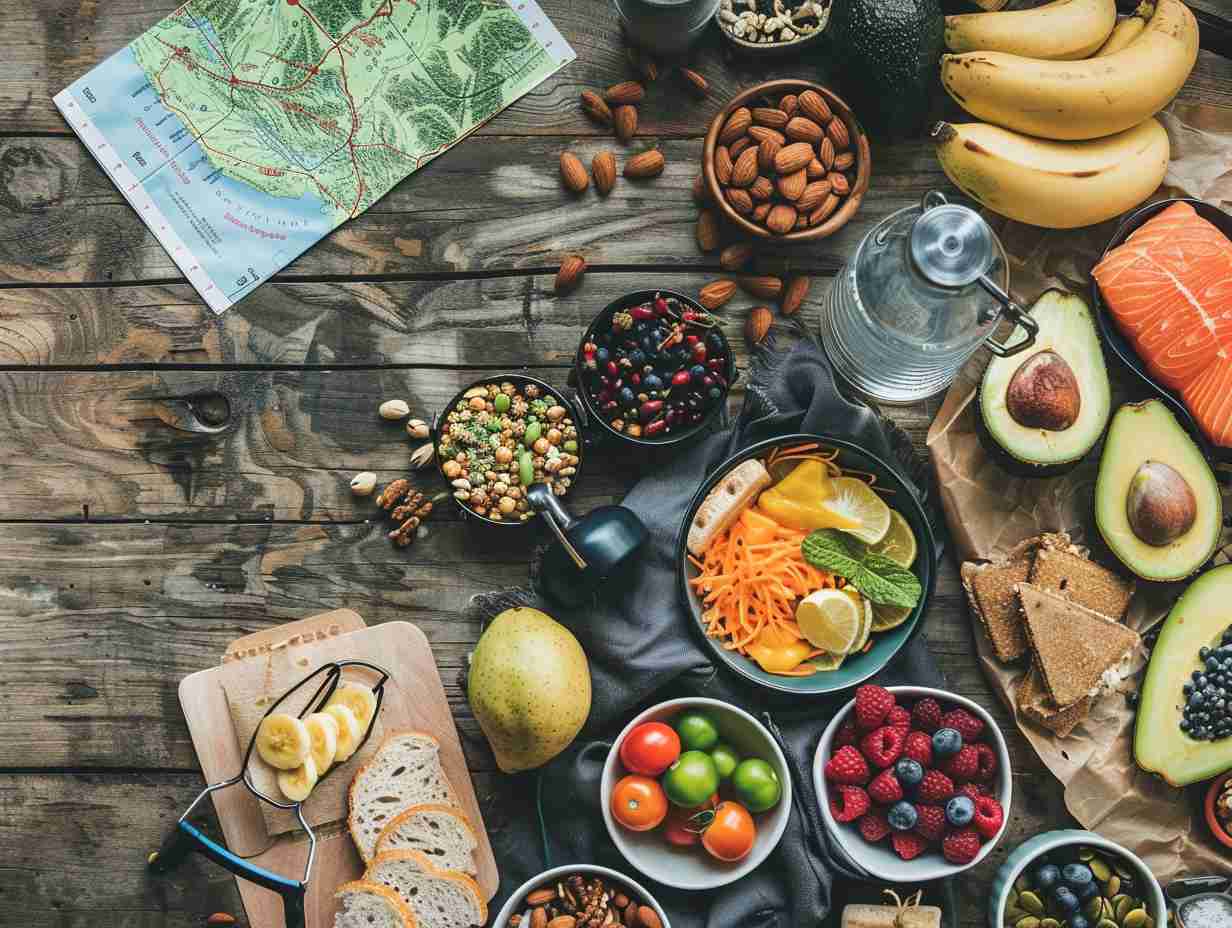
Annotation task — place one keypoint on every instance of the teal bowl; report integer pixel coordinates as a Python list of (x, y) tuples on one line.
[(855, 670), (1023, 855)]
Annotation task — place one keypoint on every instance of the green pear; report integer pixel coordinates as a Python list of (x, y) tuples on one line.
[(529, 687)]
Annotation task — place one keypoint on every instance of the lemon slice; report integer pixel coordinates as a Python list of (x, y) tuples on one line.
[(866, 621), (898, 543), (857, 509), (830, 620), (887, 617)]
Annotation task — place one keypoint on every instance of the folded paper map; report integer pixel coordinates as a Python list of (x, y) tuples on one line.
[(244, 131)]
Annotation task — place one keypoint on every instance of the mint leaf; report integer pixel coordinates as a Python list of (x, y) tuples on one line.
[(831, 550), (876, 576)]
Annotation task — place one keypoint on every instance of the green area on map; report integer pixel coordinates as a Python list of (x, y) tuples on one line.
[(336, 98)]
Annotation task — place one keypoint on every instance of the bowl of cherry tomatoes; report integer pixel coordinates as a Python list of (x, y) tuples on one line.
[(695, 793)]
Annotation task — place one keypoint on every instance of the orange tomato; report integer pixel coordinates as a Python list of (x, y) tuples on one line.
[(731, 832), (639, 803)]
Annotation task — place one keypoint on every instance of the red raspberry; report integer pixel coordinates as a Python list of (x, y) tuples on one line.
[(988, 817), (961, 847), (964, 765), (935, 787), (926, 715), (883, 746), (848, 803), (988, 762), (899, 718), (873, 704), (931, 823), (873, 826), (964, 723), (908, 845), (847, 765), (885, 788), (970, 790), (919, 746), (846, 733)]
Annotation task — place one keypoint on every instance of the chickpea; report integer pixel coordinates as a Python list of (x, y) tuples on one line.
[(508, 504), (541, 446), (504, 455), (452, 469), (554, 436), (500, 488)]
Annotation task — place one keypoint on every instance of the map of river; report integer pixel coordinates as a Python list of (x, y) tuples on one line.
[(244, 131)]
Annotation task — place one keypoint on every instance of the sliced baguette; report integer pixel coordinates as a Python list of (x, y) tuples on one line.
[(438, 831), (439, 898), (372, 905), (405, 771)]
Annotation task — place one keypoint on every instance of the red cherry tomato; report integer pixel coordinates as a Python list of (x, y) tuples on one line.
[(639, 803), (682, 827), (650, 749), (731, 832)]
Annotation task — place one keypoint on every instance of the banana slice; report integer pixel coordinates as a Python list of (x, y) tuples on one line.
[(297, 784), (283, 741), (349, 731), (323, 729), (358, 698)]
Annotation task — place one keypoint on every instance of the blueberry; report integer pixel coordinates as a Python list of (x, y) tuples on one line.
[(626, 397), (637, 357), (959, 811), (1184, 724), (602, 355), (1065, 900), (1212, 664), (946, 741), (1196, 700), (652, 382), (1204, 653), (1077, 921), (909, 772), (1187, 688), (697, 373), (1201, 681), (1047, 876), (902, 816)]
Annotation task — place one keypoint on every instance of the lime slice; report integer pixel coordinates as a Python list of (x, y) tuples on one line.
[(898, 543), (866, 622), (857, 509), (830, 620), (888, 617), (828, 661)]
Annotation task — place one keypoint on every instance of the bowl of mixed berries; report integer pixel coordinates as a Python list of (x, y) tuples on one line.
[(914, 783)]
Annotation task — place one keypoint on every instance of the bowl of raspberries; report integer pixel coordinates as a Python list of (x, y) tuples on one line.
[(914, 783)]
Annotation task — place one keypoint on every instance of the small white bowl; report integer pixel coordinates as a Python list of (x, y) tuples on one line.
[(516, 904), (693, 868), (879, 860)]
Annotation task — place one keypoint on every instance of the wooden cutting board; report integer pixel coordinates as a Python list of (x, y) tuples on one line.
[(414, 699)]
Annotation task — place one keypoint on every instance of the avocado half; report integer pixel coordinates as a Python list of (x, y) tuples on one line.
[(1047, 406), (1157, 504), (1198, 619)]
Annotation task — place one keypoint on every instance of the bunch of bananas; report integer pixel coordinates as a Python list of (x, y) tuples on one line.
[(1069, 95)]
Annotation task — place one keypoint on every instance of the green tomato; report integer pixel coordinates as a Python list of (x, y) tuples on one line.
[(757, 784), (697, 731), (725, 759), (501, 403), (691, 780)]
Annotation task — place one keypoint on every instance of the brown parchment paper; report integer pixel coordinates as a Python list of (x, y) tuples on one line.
[(988, 511)]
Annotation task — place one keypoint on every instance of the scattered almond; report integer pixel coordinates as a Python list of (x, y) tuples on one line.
[(791, 186), (758, 324), (781, 218), (740, 200), (701, 192), (761, 189), (539, 917), (735, 256), (648, 163), (569, 275), (761, 133), (837, 130), (844, 161), (789, 103), (793, 157), (825, 153), (625, 93), (648, 918), (744, 171), (707, 230), (803, 129), (737, 124), (696, 83), (815, 170), (541, 896), (723, 165), (761, 211), (794, 292), (839, 183), (221, 918), (624, 121), (814, 106), (572, 172), (603, 170), (643, 63), (564, 921), (769, 116), (418, 429), (716, 293), (594, 107), (764, 287)]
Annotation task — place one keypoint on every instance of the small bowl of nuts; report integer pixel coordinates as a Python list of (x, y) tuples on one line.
[(787, 160), (1218, 809), (772, 28), (589, 895), (500, 435)]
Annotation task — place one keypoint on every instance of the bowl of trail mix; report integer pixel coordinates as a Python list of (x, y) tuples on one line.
[(500, 435), (772, 27)]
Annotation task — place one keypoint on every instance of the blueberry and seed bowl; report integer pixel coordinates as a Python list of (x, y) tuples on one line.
[(1207, 694), (1077, 887), (654, 367)]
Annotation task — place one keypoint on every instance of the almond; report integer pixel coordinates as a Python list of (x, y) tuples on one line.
[(791, 186), (761, 189), (737, 147), (839, 183), (221, 918), (825, 153), (643, 63), (624, 120), (801, 222), (740, 200), (737, 125), (723, 165), (815, 170), (844, 161), (837, 130), (745, 169), (568, 921), (603, 170), (625, 93), (701, 192), (757, 324), (769, 116), (572, 172), (823, 212), (803, 129), (541, 896), (648, 918), (794, 292), (761, 210), (707, 230), (569, 275), (812, 196), (539, 917), (695, 82), (761, 133), (594, 107), (789, 103), (735, 256), (648, 163), (765, 287), (716, 293), (781, 218), (793, 157), (814, 106), (766, 151)]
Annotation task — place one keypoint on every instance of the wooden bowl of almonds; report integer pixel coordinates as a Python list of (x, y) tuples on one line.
[(787, 160)]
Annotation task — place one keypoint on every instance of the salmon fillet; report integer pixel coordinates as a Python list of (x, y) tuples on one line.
[(1209, 398), (1169, 288)]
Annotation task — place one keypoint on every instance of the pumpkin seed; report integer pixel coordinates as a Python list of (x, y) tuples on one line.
[(1093, 908), (1101, 870), (1030, 902), (1049, 923), (1029, 921), (1113, 886), (1136, 918), (1122, 905), (1012, 914), (1108, 911)]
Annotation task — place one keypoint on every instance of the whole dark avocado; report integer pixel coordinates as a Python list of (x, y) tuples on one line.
[(889, 52)]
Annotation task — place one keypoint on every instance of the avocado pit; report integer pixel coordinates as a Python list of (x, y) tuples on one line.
[(1160, 504), (1044, 393)]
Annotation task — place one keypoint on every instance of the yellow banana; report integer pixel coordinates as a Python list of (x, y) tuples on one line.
[(1079, 99), (1057, 185), (1128, 29), (1061, 30)]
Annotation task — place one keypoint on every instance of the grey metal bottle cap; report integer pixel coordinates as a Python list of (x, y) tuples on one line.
[(952, 245)]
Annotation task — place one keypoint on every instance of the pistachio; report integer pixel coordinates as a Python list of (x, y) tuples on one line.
[(1101, 870), (1027, 921), (1013, 913), (1135, 918), (422, 456), (394, 410), (363, 484), (1030, 902), (1113, 886), (1106, 923), (417, 428), (1121, 906), (1093, 908)]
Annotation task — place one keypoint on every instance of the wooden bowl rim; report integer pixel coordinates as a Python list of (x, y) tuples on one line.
[(859, 138)]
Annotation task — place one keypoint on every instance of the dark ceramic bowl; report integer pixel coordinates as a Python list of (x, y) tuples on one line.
[(885, 645), (602, 322)]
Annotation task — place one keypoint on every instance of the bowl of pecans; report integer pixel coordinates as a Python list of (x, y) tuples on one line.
[(787, 160), (589, 896)]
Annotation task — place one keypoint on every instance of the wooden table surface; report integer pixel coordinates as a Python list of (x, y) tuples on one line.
[(131, 553)]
